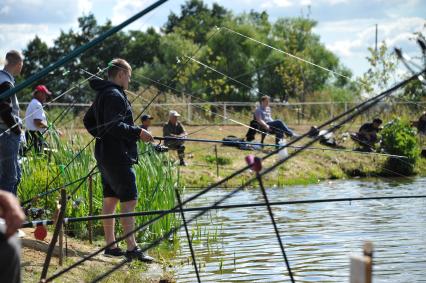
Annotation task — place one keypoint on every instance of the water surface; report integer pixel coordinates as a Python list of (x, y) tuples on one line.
[(239, 245)]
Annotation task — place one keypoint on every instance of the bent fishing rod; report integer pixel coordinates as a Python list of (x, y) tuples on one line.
[(362, 107), (176, 73), (281, 146)]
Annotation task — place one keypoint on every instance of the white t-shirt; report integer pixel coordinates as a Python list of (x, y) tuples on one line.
[(34, 111)]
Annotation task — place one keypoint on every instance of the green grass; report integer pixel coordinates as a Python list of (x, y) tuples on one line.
[(156, 179)]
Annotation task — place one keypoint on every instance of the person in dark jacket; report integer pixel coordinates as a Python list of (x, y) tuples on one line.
[(367, 135), (173, 128), (110, 120), (10, 125)]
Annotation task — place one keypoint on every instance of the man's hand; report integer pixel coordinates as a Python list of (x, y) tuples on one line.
[(146, 136), (11, 212)]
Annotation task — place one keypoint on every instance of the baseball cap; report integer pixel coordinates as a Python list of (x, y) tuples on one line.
[(174, 113), (43, 88), (146, 117)]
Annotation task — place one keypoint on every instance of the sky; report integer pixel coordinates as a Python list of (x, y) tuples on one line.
[(346, 27)]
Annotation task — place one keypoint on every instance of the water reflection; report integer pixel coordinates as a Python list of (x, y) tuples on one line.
[(318, 237)]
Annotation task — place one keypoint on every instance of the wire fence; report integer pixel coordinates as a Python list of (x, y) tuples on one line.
[(221, 113)]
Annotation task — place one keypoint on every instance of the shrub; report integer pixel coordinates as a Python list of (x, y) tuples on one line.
[(399, 138)]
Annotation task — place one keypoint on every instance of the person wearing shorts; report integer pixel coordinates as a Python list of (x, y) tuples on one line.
[(110, 120)]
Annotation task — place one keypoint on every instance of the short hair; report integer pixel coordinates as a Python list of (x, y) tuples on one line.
[(117, 65), (378, 121), (13, 57), (265, 97)]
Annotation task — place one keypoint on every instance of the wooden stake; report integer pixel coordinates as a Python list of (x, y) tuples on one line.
[(362, 266), (90, 208), (58, 226), (217, 161)]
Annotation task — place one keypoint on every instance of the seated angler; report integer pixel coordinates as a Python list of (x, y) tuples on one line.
[(173, 128), (421, 124), (35, 118), (367, 135), (146, 121), (263, 121)]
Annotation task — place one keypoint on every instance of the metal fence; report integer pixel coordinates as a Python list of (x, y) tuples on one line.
[(228, 113)]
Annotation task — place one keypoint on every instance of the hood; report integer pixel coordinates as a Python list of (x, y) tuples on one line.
[(99, 85), (6, 77)]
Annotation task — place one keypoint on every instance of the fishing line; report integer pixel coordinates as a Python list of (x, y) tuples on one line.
[(364, 106), (298, 58), (53, 100), (35, 223), (143, 110)]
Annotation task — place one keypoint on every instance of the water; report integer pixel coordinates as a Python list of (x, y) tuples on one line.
[(319, 238)]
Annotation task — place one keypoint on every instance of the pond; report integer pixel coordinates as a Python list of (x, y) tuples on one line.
[(239, 245)]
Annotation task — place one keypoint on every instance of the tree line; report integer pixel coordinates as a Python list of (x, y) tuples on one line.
[(160, 54)]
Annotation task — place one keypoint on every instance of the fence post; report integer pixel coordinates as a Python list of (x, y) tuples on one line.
[(90, 208), (58, 226), (217, 162), (225, 114), (362, 266), (189, 114)]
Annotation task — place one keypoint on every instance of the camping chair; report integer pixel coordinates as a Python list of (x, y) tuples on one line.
[(253, 130)]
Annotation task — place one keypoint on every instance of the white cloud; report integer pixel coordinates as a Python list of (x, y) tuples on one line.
[(127, 8), (39, 11), (276, 3), (353, 37)]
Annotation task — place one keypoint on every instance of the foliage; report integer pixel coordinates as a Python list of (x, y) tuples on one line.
[(155, 179), (383, 65), (194, 32), (399, 138), (221, 160)]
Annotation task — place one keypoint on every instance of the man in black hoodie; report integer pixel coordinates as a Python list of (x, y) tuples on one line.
[(110, 120)]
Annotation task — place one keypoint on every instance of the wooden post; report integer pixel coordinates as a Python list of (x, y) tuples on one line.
[(217, 162), (90, 208), (58, 226), (362, 266), (225, 114), (189, 114)]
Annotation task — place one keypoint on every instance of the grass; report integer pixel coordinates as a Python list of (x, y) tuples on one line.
[(156, 180)]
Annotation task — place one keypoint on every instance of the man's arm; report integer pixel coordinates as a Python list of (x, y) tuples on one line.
[(260, 121), (11, 212), (6, 110)]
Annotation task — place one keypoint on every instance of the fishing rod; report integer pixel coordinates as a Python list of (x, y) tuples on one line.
[(358, 109), (364, 107), (176, 73), (271, 145), (68, 220)]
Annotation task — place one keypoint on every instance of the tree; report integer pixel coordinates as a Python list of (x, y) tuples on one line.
[(382, 70), (196, 20)]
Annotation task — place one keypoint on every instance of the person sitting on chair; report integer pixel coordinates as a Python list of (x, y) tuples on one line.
[(173, 128), (367, 135), (263, 121)]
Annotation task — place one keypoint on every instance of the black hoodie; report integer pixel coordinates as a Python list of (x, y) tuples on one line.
[(110, 120)]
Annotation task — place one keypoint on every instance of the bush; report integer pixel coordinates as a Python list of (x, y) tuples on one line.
[(399, 138)]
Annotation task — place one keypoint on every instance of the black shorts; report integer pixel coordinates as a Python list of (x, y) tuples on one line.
[(118, 181)]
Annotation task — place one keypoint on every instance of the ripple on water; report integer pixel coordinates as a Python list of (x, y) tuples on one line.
[(319, 238)]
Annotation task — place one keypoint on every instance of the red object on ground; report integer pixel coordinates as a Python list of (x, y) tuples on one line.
[(40, 233), (254, 162)]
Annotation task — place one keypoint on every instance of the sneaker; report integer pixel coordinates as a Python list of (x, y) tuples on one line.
[(182, 163), (138, 255), (114, 252)]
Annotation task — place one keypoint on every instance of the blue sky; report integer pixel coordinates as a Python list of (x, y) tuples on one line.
[(346, 27)]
